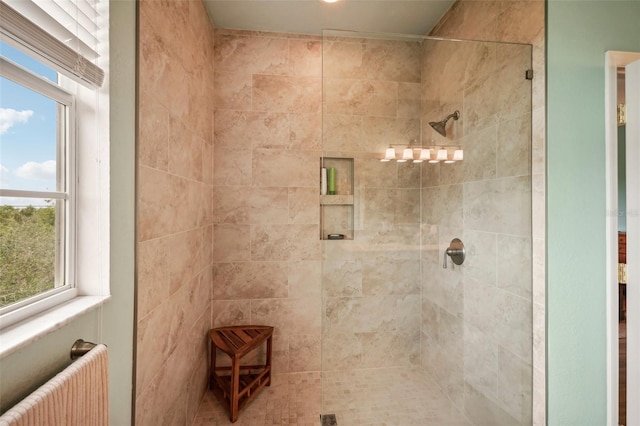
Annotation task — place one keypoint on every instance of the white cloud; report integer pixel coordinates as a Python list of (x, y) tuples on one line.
[(9, 117), (37, 171)]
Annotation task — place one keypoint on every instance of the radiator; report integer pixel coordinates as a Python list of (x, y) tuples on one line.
[(77, 396)]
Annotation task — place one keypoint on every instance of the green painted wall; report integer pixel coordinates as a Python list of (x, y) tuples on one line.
[(25, 370), (578, 35)]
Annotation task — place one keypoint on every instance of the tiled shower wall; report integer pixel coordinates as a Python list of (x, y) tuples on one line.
[(268, 260), (174, 204), (519, 22), (477, 318), (371, 285), (268, 98)]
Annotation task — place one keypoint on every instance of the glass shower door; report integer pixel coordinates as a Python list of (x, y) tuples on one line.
[(404, 340)]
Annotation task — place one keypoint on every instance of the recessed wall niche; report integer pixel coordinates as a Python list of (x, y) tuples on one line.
[(336, 206)]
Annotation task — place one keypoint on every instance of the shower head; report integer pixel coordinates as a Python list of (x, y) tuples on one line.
[(440, 126)]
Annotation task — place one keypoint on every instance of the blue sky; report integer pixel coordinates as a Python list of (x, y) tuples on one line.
[(27, 132)]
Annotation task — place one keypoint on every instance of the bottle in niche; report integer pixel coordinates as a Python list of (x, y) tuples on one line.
[(323, 181), (331, 181)]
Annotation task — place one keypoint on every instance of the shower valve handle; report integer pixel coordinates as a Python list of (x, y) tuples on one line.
[(455, 251)]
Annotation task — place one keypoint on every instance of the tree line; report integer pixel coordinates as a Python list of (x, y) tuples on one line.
[(27, 252)]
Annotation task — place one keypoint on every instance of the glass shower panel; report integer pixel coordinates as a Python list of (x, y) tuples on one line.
[(404, 340)]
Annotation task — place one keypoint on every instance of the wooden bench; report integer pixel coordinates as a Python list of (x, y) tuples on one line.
[(235, 390)]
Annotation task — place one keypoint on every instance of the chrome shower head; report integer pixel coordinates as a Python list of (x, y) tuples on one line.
[(440, 126)]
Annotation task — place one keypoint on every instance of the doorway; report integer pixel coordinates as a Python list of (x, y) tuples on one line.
[(623, 149)]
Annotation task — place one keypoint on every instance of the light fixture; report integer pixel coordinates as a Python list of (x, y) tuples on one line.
[(390, 154), (424, 155), (329, 1), (407, 154), (431, 154)]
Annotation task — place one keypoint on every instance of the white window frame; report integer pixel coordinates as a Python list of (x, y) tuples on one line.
[(64, 286), (92, 204)]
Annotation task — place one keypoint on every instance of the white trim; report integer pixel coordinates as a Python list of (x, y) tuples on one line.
[(65, 286), (613, 60), (20, 193), (24, 77), (632, 85), (24, 333), (25, 308)]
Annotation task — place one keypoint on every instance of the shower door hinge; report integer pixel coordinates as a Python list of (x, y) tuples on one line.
[(528, 74)]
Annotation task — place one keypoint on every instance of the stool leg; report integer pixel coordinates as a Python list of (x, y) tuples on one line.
[(212, 372), (235, 387), (269, 360)]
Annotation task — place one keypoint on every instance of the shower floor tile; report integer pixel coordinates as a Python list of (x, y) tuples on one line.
[(387, 396)]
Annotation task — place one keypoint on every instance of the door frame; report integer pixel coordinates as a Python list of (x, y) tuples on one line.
[(613, 60)]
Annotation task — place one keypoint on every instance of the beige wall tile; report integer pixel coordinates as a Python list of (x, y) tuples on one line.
[(514, 267), (361, 97), (409, 100), (252, 55), (268, 206), (303, 206), (487, 205), (278, 168), (305, 58), (305, 132), (250, 280), (244, 130), (514, 385), (159, 196), (153, 133), (174, 195), (304, 279), (342, 278), (231, 205), (153, 282), (232, 167), (341, 350), (231, 243), (229, 312), (288, 316), (185, 151), (286, 94), (186, 257), (304, 352), (232, 91)]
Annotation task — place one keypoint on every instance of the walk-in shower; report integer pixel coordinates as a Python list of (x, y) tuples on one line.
[(405, 341), (441, 126)]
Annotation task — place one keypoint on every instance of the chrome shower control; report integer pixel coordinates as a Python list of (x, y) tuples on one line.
[(455, 251)]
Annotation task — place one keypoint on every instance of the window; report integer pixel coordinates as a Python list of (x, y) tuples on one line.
[(36, 189), (54, 202)]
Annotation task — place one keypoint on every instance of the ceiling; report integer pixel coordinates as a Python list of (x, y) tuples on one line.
[(312, 16)]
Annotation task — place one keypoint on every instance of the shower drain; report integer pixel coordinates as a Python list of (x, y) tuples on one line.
[(328, 420)]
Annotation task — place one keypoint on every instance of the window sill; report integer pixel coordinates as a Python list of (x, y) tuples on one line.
[(22, 334)]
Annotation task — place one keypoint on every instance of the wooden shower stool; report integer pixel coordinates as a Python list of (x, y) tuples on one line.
[(235, 390)]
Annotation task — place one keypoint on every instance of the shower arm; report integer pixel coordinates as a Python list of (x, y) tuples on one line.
[(455, 115)]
